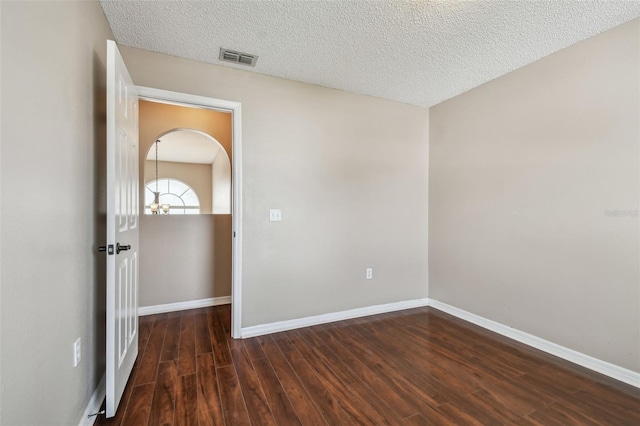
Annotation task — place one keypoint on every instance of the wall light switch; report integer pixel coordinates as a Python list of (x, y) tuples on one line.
[(275, 215)]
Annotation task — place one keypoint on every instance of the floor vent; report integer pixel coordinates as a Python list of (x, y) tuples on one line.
[(238, 57)]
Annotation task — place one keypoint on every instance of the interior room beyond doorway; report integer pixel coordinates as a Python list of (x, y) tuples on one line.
[(186, 258)]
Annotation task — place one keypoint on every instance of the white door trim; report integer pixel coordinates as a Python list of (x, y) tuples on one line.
[(236, 169)]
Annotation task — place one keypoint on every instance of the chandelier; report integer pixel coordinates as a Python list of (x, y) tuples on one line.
[(156, 207)]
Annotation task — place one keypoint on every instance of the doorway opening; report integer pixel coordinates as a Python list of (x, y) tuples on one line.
[(184, 253)]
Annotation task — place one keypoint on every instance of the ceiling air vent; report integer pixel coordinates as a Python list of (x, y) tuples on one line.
[(238, 57)]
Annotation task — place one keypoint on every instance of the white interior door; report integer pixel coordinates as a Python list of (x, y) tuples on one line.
[(122, 227)]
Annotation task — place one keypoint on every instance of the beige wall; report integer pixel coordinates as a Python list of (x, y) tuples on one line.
[(197, 176), (1, 219), (53, 74), (184, 258), (522, 172), (349, 173), (156, 119), (222, 255), (221, 181)]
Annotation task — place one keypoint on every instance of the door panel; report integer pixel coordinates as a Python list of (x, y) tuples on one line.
[(122, 227)]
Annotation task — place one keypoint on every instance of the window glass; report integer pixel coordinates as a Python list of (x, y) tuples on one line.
[(190, 198), (177, 187)]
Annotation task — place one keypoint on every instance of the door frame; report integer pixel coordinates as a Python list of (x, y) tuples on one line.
[(235, 108)]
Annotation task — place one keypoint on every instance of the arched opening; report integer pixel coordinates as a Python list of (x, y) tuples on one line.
[(196, 159)]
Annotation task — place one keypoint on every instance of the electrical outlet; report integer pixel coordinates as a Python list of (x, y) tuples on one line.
[(77, 352), (275, 215), (369, 273)]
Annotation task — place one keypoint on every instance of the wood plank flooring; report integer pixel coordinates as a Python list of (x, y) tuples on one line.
[(415, 367)]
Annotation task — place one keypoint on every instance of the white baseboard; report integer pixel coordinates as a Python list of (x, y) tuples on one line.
[(274, 327), (603, 367), (181, 306), (94, 404)]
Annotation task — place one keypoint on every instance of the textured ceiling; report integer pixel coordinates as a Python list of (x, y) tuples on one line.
[(419, 52)]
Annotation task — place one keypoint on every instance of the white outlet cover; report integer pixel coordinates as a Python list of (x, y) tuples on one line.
[(275, 215), (77, 352)]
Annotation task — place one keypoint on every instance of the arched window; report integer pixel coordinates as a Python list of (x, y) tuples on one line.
[(181, 198)]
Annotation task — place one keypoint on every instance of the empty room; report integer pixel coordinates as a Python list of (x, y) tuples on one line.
[(320, 212)]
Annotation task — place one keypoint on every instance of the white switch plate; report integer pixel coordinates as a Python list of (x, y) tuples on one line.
[(369, 273), (77, 352), (275, 215)]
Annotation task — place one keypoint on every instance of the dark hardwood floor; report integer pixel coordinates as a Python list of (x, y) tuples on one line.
[(415, 367)]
